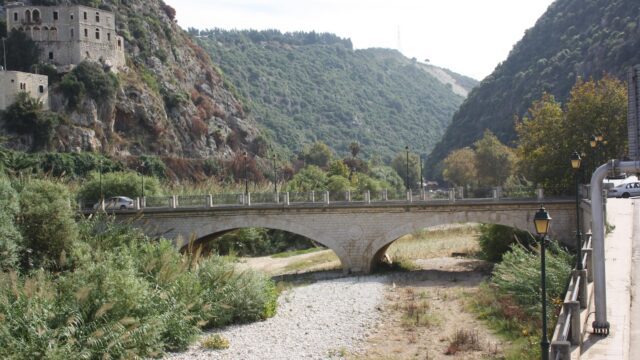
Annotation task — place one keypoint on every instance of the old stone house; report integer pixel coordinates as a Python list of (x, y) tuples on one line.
[(69, 34), (14, 82)]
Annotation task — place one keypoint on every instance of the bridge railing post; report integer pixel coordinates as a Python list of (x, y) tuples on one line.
[(286, 199), (313, 196), (423, 194), (209, 201), (452, 195), (562, 348), (589, 264), (409, 196), (276, 198), (367, 197), (137, 203), (249, 199), (385, 195), (174, 201), (143, 202), (325, 197), (540, 193), (495, 194), (581, 276), (348, 195)]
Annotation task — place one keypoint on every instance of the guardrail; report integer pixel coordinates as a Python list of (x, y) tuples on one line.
[(322, 197), (568, 329)]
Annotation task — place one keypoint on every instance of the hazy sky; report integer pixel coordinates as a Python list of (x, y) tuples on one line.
[(468, 36)]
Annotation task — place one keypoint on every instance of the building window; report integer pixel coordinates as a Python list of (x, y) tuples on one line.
[(119, 43), (51, 55), (55, 15), (108, 36), (71, 16), (27, 16), (15, 16), (85, 15), (71, 33), (36, 15), (97, 34), (86, 32), (97, 17), (41, 89)]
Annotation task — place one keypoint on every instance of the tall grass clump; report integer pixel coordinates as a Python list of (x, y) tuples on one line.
[(510, 301), (496, 240), (124, 295)]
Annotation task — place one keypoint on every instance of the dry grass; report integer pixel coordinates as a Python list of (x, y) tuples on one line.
[(436, 243), (463, 340), (314, 262)]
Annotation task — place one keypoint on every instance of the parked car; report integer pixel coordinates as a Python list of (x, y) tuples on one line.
[(625, 190), (116, 203)]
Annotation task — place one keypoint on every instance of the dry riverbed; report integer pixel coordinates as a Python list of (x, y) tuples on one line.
[(420, 314)]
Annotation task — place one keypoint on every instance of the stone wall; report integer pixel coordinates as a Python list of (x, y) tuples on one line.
[(14, 82), (70, 34)]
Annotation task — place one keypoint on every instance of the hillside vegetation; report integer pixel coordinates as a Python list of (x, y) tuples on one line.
[(306, 87), (574, 38)]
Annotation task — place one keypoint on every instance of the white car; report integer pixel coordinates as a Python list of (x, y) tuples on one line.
[(625, 190), (116, 203)]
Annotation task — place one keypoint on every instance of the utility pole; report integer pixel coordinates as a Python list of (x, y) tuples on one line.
[(4, 53)]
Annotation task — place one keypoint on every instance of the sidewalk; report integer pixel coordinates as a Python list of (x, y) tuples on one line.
[(618, 249)]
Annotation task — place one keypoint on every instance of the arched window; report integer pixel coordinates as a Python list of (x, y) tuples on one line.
[(97, 34), (97, 17), (27, 16), (36, 15), (15, 16)]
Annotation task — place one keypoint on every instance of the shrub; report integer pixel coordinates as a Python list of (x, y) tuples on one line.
[(496, 240), (215, 342), (518, 277), (118, 184), (311, 178), (10, 238), (98, 84), (46, 223), (153, 166), (72, 89)]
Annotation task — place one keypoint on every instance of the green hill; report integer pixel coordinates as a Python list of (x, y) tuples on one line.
[(304, 87), (573, 38)]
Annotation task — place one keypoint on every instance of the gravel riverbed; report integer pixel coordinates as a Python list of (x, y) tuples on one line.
[(323, 320)]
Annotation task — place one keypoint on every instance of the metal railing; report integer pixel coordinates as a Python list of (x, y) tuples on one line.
[(568, 328)]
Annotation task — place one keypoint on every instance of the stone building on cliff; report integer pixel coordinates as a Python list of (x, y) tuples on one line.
[(69, 34), (14, 82)]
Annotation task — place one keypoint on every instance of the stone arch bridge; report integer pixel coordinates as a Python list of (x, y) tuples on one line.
[(359, 233)]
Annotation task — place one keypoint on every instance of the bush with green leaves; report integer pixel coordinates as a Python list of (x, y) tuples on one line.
[(518, 277), (311, 178), (127, 296), (47, 224), (496, 240), (117, 184), (91, 79), (10, 237)]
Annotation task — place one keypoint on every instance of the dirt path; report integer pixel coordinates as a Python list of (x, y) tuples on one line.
[(315, 261)]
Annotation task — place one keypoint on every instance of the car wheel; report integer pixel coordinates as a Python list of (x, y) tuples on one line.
[(122, 207), (625, 195)]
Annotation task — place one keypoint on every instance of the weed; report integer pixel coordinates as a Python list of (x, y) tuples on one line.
[(463, 340), (215, 342)]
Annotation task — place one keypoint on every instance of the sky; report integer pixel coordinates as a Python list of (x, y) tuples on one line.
[(470, 37)]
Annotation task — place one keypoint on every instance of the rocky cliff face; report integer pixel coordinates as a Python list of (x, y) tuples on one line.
[(170, 98)]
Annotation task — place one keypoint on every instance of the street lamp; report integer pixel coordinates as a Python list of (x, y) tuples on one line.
[(541, 221), (275, 174), (421, 179), (142, 166), (406, 148), (246, 178), (575, 165), (100, 170)]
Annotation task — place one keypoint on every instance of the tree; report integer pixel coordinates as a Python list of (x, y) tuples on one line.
[(25, 116), (311, 178), (459, 168), (388, 177), (337, 183), (118, 184), (318, 154), (399, 164), (22, 52), (549, 135), (494, 161), (338, 167), (354, 147)]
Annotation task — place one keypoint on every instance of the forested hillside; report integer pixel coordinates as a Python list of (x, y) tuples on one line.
[(574, 38), (304, 87)]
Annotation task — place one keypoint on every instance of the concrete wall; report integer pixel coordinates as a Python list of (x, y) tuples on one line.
[(357, 234), (14, 82)]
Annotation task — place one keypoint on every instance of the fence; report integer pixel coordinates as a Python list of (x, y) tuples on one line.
[(568, 329)]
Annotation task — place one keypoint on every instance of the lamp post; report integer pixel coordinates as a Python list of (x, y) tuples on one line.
[(275, 174), (246, 178), (4, 53), (421, 179), (142, 166), (100, 171), (575, 165), (406, 148), (541, 221)]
